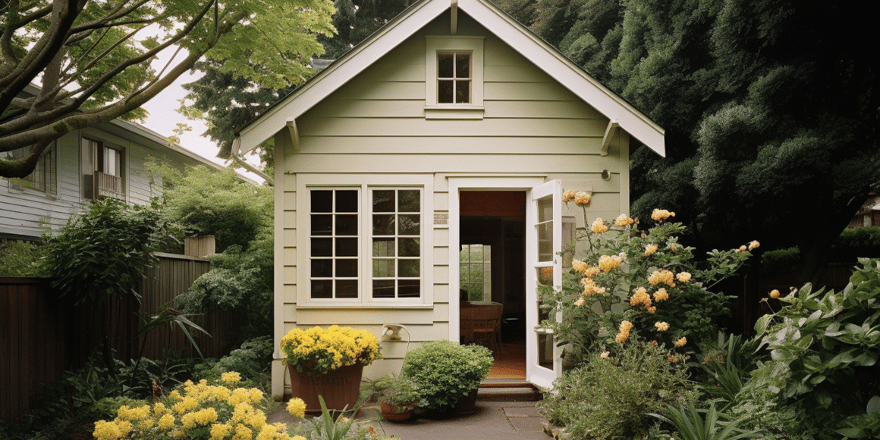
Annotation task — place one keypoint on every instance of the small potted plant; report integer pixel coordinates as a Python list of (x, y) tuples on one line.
[(448, 375), (398, 400)]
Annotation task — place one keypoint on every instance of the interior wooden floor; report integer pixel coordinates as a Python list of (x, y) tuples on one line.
[(510, 363)]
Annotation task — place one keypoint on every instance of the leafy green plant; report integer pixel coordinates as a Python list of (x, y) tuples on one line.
[(403, 392), (609, 396), (251, 359), (22, 259), (692, 426), (824, 348), (444, 371), (328, 427)]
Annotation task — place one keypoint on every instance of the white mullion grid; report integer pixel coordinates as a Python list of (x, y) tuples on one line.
[(395, 237), (333, 258)]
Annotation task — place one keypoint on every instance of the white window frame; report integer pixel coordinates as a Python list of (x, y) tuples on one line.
[(364, 184), (28, 185), (444, 44)]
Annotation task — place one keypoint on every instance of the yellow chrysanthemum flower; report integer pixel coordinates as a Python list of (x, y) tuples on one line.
[(296, 407), (231, 377)]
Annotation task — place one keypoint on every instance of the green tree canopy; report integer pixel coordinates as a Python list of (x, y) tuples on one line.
[(770, 110), (93, 59)]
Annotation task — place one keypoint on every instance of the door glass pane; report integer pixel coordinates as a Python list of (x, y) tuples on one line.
[(545, 209), (545, 345), (545, 242)]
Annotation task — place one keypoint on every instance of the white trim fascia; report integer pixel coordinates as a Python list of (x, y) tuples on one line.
[(566, 73), (340, 72), (606, 139)]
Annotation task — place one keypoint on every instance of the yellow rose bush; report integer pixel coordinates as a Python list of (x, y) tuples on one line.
[(197, 411), (644, 278), (316, 350)]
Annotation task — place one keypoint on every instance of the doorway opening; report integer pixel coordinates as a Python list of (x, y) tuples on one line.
[(492, 262)]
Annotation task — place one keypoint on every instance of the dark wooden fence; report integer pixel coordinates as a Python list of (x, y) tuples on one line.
[(41, 337)]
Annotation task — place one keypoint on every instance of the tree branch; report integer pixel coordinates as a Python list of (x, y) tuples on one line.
[(24, 166)]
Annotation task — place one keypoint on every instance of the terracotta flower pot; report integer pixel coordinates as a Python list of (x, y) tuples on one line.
[(392, 413), (339, 388)]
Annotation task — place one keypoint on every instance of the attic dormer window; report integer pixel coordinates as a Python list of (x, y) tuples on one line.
[(454, 82), (454, 78)]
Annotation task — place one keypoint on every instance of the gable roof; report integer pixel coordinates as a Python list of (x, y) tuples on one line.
[(410, 21)]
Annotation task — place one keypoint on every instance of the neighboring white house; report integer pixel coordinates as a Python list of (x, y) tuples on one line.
[(453, 125), (103, 161)]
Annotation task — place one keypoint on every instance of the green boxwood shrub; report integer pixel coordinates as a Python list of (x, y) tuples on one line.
[(445, 371)]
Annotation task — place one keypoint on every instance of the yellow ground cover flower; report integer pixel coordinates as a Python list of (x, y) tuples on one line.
[(231, 377), (105, 430), (166, 422), (220, 431)]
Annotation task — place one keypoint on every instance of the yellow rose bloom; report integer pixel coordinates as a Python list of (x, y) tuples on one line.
[(582, 198), (683, 277), (659, 215), (579, 266), (661, 276), (623, 220), (591, 272), (774, 294), (661, 326), (753, 245), (568, 196), (621, 337), (681, 342), (579, 302), (640, 296), (661, 295), (599, 226), (608, 262), (650, 249)]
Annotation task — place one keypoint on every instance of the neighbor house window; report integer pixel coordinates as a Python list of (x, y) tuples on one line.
[(102, 166), (396, 243), (475, 271), (454, 82), (334, 255), (44, 176), (365, 244)]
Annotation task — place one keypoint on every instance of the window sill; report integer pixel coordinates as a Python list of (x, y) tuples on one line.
[(363, 306), (454, 111)]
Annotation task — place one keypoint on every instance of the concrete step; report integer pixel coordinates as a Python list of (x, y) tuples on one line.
[(508, 390)]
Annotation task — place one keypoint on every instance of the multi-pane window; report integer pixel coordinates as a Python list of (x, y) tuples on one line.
[(43, 178), (454, 78), (475, 271), (334, 243), (396, 243)]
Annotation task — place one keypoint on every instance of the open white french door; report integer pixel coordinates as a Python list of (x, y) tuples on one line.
[(543, 265)]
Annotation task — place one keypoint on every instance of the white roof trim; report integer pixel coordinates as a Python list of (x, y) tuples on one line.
[(493, 19)]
